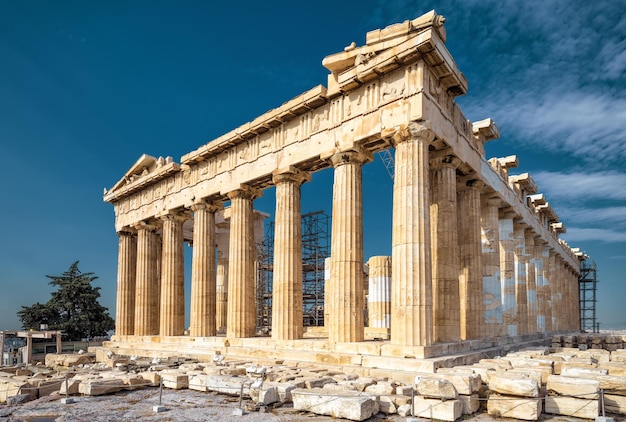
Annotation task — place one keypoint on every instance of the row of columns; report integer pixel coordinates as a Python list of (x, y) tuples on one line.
[(462, 267)]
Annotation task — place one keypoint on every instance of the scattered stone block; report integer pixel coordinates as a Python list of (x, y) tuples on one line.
[(10, 387), (98, 387), (404, 410), (348, 404), (445, 410), (174, 379), (228, 385), (514, 386), (463, 383), (528, 409), (576, 387), (266, 394), (381, 388), (609, 383), (70, 387), (570, 406), (471, 404), (152, 378), (197, 382), (386, 405), (615, 404), (318, 382), (432, 387)]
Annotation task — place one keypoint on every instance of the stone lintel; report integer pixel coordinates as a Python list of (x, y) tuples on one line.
[(508, 162), (485, 130), (525, 182), (548, 211)]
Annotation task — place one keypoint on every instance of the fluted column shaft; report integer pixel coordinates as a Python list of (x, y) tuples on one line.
[(241, 276), (221, 305), (541, 284), (346, 256), (126, 283), (287, 275), (554, 290), (445, 255), (471, 275), (172, 320), (411, 285), (203, 278), (492, 292), (148, 287), (547, 309), (531, 281), (507, 273), (379, 292), (521, 261)]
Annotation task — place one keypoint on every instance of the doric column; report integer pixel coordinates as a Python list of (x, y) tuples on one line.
[(411, 285), (203, 278), (471, 274), (540, 284), (148, 287), (126, 282), (547, 309), (492, 292), (444, 249), (172, 320), (521, 260), (241, 276), (531, 280), (379, 292), (346, 256), (221, 306), (554, 291), (287, 275), (507, 271)]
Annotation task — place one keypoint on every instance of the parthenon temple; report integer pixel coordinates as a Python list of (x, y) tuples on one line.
[(476, 262)]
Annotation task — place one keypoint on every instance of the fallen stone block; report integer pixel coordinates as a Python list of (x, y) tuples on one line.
[(70, 387), (516, 386), (266, 394), (574, 387), (350, 405), (132, 381), (153, 379), (45, 387), (615, 404), (404, 410), (463, 383), (445, 410), (98, 387), (614, 368), (174, 379), (318, 382), (578, 371), (10, 387), (437, 388), (228, 385), (527, 409), (471, 404), (381, 388), (386, 405), (609, 383), (570, 406), (197, 382)]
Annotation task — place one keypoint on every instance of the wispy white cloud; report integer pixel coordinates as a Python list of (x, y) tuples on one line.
[(606, 185), (581, 234)]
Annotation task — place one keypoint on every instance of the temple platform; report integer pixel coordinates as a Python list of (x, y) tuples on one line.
[(368, 358)]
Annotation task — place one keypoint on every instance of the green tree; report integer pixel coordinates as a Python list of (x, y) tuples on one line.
[(73, 308)]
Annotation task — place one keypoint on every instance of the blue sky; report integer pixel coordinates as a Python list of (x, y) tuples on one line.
[(87, 87)]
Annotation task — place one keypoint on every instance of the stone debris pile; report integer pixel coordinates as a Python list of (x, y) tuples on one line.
[(521, 385)]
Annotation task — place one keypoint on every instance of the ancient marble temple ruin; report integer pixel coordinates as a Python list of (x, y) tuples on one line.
[(476, 258)]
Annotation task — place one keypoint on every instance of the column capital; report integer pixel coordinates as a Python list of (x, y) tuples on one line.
[(175, 215), (204, 204), (470, 183), (507, 213), (245, 192), (290, 174), (449, 161), (144, 225), (127, 231), (413, 130), (357, 155)]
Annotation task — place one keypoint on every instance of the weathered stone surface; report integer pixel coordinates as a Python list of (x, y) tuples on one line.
[(266, 394), (10, 387), (615, 404), (518, 386), (198, 382), (614, 368), (386, 405), (528, 409), (174, 379), (570, 406), (381, 388), (574, 387), (68, 360), (445, 410), (578, 371), (463, 383), (609, 383), (152, 378), (70, 387), (471, 404), (228, 385), (48, 386), (348, 405), (433, 387), (618, 355), (98, 387)]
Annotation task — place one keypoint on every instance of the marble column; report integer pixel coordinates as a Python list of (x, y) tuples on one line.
[(172, 320), (241, 265), (221, 305), (379, 292), (492, 292), (507, 271), (411, 273), (531, 281), (554, 291), (470, 251), (444, 245), (547, 309), (540, 283), (576, 301), (521, 260), (346, 256), (287, 275), (126, 283), (148, 287), (202, 315)]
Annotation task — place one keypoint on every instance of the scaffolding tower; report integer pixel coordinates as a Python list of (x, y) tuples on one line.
[(587, 287), (315, 249)]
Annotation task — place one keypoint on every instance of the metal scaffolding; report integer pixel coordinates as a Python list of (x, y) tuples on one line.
[(315, 249), (587, 287)]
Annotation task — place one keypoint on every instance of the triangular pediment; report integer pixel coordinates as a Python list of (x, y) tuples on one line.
[(146, 168)]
